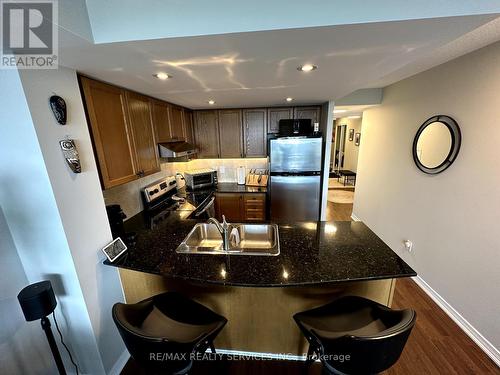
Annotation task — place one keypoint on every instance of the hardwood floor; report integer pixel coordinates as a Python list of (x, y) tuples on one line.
[(436, 345)]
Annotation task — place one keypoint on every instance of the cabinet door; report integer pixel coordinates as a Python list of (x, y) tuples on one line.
[(229, 205), (188, 125), (161, 120), (139, 108), (312, 113), (254, 130), (254, 207), (230, 136), (274, 115), (206, 134), (108, 118), (176, 123)]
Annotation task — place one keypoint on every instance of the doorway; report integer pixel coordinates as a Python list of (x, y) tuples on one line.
[(346, 140)]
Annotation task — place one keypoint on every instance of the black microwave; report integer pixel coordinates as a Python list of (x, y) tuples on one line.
[(297, 127)]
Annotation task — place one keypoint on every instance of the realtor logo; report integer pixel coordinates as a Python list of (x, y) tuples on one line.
[(29, 34)]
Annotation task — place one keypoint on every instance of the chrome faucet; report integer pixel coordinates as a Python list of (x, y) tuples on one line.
[(223, 229)]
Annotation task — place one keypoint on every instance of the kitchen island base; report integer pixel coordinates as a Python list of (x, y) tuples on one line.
[(259, 318)]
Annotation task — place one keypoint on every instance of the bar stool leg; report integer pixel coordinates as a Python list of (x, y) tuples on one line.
[(212, 348)]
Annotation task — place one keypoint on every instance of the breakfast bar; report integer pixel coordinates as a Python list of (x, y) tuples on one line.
[(317, 262)]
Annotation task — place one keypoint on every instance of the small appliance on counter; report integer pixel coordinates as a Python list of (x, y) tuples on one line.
[(257, 177), (181, 184), (115, 218), (200, 178), (241, 173)]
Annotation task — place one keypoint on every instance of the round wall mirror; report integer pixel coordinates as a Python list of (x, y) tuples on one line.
[(436, 144)]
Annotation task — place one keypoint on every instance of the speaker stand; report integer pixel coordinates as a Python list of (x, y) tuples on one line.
[(53, 346)]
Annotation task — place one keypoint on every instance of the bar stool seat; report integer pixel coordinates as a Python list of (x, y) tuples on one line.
[(370, 334), (163, 332)]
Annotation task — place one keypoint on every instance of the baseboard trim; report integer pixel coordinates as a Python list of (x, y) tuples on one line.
[(355, 218), (468, 328), (120, 363), (280, 356)]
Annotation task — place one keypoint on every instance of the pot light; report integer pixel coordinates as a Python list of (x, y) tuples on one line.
[(357, 116), (307, 67), (289, 99), (162, 76), (339, 110), (211, 102)]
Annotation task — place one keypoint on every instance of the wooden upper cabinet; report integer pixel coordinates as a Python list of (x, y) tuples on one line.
[(312, 113), (139, 108), (206, 134), (254, 132), (188, 126), (108, 117), (176, 123), (230, 136), (161, 120), (274, 115)]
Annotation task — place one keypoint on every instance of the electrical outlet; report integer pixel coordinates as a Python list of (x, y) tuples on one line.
[(408, 245)]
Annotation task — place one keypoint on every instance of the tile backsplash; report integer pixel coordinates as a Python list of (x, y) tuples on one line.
[(128, 195)]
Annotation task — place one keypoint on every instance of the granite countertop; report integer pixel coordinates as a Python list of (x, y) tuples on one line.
[(312, 253), (233, 187)]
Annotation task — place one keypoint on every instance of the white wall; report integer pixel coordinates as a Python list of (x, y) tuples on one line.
[(79, 202), (34, 222), (23, 346), (452, 218)]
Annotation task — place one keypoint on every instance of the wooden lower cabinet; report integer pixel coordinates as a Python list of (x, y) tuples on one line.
[(254, 207), (237, 207)]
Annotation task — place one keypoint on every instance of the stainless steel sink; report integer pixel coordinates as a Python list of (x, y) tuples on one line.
[(245, 239)]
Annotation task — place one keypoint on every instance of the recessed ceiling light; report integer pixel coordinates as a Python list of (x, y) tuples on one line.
[(339, 110), (357, 116), (211, 102), (289, 99), (307, 67), (162, 76)]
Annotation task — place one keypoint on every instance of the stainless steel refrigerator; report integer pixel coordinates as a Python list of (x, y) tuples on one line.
[(295, 181)]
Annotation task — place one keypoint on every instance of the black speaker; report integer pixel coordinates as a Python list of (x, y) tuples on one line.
[(37, 300)]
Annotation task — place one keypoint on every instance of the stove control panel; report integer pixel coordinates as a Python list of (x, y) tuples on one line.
[(159, 188)]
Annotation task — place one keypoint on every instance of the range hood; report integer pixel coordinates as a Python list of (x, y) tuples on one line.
[(176, 150)]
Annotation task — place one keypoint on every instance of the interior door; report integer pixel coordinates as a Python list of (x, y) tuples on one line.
[(295, 198)]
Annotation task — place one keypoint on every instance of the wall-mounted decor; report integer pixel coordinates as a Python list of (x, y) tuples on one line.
[(58, 106), (71, 155), (436, 144), (357, 138), (351, 134)]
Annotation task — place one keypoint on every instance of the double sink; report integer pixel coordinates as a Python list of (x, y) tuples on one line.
[(244, 239)]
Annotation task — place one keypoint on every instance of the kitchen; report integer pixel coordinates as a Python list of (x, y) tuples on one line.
[(259, 169), (182, 173)]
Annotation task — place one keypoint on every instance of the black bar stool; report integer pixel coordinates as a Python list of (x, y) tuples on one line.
[(163, 332), (354, 335)]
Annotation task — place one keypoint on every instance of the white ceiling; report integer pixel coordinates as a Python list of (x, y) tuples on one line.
[(259, 68)]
